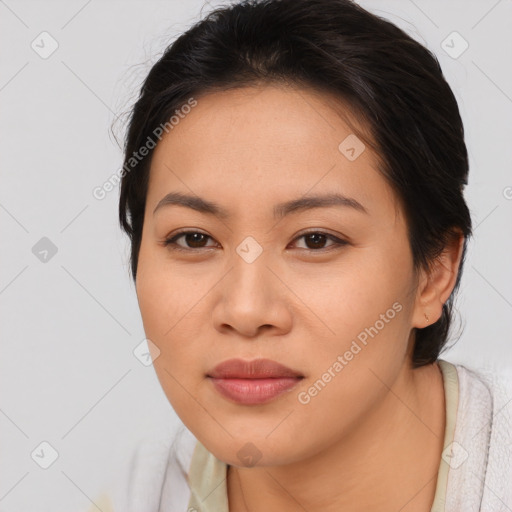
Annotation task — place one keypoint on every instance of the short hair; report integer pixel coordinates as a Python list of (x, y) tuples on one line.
[(390, 81)]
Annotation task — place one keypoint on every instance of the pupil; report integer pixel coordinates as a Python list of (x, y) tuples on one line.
[(196, 237), (317, 238)]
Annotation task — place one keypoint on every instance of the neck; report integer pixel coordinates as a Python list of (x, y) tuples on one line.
[(389, 461)]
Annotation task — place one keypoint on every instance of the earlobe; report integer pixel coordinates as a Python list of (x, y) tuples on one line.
[(437, 285)]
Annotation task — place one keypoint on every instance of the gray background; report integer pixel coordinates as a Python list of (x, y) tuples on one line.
[(69, 324)]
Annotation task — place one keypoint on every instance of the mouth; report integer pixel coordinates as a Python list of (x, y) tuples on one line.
[(253, 382)]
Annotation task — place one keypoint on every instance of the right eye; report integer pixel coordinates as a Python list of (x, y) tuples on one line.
[(194, 239)]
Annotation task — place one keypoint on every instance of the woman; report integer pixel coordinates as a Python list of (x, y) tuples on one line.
[(293, 192)]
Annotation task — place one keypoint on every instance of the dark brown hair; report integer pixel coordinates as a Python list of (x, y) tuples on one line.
[(393, 84)]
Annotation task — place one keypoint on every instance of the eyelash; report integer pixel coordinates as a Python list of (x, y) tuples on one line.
[(171, 242)]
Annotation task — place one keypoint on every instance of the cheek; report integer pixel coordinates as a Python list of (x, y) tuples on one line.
[(166, 314), (362, 324), (154, 297), (162, 292), (170, 308), (353, 295), (159, 301), (364, 348)]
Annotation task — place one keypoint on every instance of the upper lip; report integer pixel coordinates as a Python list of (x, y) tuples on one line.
[(255, 369)]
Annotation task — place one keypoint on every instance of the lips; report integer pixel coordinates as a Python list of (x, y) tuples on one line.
[(253, 382), (255, 369)]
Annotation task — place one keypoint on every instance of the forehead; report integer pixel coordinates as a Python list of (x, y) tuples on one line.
[(271, 142)]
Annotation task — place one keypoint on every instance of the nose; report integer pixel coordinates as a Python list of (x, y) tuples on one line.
[(252, 300)]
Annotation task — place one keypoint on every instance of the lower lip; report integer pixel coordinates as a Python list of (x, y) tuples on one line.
[(254, 391)]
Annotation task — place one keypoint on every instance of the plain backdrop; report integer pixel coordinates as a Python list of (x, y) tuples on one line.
[(69, 317)]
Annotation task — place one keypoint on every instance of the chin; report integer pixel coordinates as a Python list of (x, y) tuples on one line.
[(255, 450)]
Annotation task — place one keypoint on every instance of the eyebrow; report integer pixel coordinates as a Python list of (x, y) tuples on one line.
[(280, 210)]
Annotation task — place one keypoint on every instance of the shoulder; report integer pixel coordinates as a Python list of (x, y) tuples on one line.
[(155, 475), (486, 386), (498, 477), (484, 435), (485, 392)]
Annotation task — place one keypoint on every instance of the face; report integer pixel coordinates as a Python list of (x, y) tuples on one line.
[(323, 289)]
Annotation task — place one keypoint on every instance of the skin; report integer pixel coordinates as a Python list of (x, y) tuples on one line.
[(372, 438)]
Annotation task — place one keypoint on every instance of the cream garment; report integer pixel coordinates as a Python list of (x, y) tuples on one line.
[(176, 473)]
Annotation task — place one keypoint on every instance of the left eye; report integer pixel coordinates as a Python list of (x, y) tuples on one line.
[(316, 238), (319, 238)]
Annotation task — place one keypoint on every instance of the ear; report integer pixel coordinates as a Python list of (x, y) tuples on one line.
[(436, 285)]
